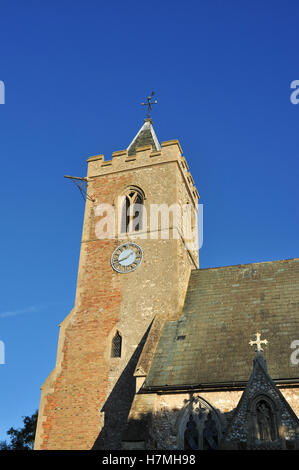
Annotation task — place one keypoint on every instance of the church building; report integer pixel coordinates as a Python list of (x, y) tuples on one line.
[(158, 353)]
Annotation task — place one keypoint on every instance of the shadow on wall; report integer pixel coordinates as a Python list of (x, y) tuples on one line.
[(199, 426), (118, 404), (262, 420), (196, 426)]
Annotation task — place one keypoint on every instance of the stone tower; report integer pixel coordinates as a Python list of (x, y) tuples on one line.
[(132, 278)]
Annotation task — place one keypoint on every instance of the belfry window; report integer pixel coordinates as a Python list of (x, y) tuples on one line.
[(132, 210), (116, 345)]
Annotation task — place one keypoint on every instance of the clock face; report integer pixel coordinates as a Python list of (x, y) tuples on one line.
[(126, 257)]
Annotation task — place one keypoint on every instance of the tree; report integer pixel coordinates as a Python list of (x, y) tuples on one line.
[(22, 438)]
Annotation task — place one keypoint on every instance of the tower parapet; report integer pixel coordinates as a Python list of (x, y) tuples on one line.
[(121, 161)]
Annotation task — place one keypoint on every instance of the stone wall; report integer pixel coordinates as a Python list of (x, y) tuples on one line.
[(164, 415)]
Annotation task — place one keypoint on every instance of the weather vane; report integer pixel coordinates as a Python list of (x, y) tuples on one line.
[(149, 104)]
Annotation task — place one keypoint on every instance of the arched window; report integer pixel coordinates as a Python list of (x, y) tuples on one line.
[(116, 345), (199, 426), (131, 210)]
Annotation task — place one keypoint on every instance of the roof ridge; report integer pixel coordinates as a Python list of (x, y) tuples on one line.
[(196, 271)]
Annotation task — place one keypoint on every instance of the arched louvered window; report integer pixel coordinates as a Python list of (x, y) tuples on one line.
[(131, 211), (116, 345)]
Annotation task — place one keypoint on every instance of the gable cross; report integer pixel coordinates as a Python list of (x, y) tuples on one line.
[(258, 342)]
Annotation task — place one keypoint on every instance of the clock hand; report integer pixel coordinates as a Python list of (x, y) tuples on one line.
[(126, 257)]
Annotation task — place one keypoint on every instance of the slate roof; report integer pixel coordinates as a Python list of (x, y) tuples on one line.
[(145, 136), (224, 309)]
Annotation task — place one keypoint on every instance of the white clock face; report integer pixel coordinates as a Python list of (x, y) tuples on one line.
[(126, 257)]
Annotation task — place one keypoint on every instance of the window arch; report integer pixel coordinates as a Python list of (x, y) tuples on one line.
[(132, 210), (265, 419), (199, 426), (116, 345)]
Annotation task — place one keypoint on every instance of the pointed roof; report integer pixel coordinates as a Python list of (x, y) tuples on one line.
[(145, 136)]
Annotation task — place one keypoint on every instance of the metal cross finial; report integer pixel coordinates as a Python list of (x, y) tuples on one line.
[(149, 104), (258, 342)]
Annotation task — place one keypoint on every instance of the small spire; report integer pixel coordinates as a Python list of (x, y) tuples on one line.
[(145, 136)]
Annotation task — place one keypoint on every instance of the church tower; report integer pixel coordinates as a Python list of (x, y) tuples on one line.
[(134, 267)]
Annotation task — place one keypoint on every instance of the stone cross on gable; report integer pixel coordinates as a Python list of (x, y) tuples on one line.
[(258, 342)]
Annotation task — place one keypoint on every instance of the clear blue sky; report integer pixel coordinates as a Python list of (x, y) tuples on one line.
[(75, 73)]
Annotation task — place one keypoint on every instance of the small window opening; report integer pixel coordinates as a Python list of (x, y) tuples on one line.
[(116, 345)]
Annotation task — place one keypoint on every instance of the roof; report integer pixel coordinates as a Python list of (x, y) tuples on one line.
[(224, 309), (145, 136)]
